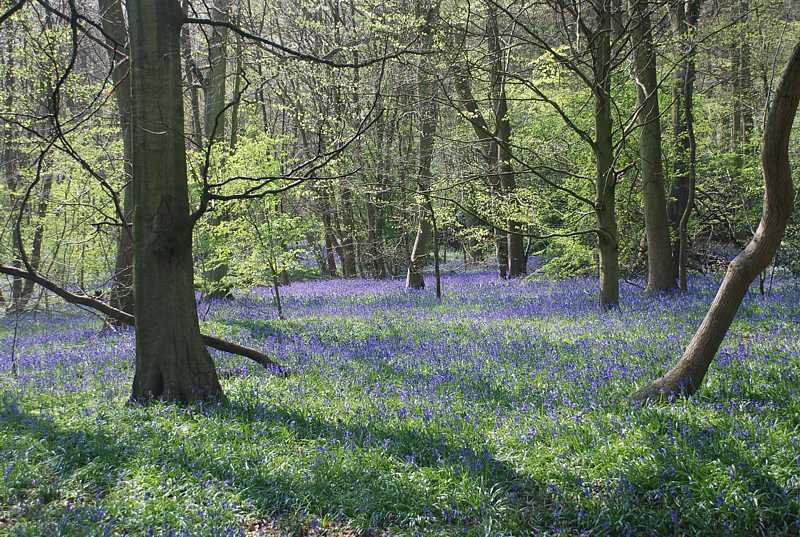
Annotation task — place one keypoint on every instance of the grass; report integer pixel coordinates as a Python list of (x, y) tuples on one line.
[(502, 411)]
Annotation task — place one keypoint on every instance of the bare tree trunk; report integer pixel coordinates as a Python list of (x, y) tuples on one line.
[(348, 239), (515, 255), (172, 362), (192, 81), (38, 236), (605, 179), (688, 374), (113, 21), (10, 157), (684, 18), (330, 240), (426, 88), (660, 272), (742, 118), (214, 91), (215, 123), (237, 81)]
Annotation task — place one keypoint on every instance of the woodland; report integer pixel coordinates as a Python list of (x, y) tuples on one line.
[(403, 267)]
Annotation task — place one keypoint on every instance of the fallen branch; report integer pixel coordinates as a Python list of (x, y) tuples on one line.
[(127, 318)]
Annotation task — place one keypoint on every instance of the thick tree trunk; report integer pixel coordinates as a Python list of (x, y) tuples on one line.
[(426, 89), (172, 362), (113, 22), (688, 374), (660, 272)]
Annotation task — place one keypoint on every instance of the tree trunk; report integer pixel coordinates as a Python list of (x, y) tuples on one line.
[(514, 248), (10, 156), (215, 122), (113, 22), (426, 89), (688, 374), (348, 240), (684, 18), (192, 76), (660, 272), (38, 236), (214, 91), (327, 231), (172, 362), (605, 179)]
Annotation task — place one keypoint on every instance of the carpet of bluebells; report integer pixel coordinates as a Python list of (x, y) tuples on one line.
[(503, 410)]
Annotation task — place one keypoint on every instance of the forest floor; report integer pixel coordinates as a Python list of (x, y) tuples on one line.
[(502, 411)]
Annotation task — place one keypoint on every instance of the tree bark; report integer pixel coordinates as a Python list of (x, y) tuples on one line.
[(688, 374), (426, 89), (10, 156), (214, 91), (605, 179), (113, 23), (684, 17), (192, 81), (38, 236), (660, 272), (128, 319), (514, 249), (172, 362)]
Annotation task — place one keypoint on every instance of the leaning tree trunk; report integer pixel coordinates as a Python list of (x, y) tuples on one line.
[(426, 87), (116, 33), (172, 362), (687, 375), (660, 273)]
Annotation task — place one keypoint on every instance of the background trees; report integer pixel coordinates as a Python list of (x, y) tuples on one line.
[(360, 138)]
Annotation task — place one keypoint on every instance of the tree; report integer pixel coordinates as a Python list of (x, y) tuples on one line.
[(660, 273), (428, 117), (684, 17), (172, 362), (688, 374), (113, 22)]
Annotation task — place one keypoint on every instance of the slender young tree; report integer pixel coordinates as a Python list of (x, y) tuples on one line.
[(172, 362), (603, 147), (427, 104), (688, 374), (684, 17), (660, 273), (113, 22)]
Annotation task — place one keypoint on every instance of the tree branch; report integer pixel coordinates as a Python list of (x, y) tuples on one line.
[(126, 318)]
